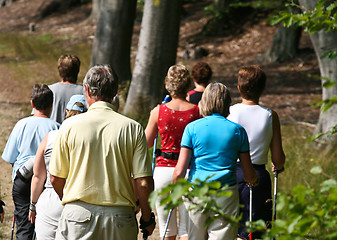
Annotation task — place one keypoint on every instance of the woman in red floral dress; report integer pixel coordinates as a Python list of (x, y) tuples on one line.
[(170, 120)]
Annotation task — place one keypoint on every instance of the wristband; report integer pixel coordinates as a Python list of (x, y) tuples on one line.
[(1, 208), (144, 224), (32, 207)]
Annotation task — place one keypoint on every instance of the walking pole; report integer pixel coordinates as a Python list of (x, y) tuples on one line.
[(275, 193), (166, 99), (167, 222), (13, 225), (250, 209)]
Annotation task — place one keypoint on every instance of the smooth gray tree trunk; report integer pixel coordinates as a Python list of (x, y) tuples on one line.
[(284, 45), (323, 42), (113, 36), (96, 8), (157, 50)]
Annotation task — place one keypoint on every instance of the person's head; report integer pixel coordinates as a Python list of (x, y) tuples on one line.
[(202, 73), (215, 99), (101, 83), (69, 67), (177, 81), (251, 82), (76, 105), (42, 97)]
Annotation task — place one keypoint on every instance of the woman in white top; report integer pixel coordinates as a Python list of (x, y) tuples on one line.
[(263, 128), (46, 207)]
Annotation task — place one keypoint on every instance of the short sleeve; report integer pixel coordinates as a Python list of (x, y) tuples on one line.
[(186, 140), (141, 162), (59, 162), (244, 140), (11, 151)]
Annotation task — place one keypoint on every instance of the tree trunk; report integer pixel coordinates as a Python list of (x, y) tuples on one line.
[(113, 36), (284, 45), (157, 50), (323, 42), (96, 8)]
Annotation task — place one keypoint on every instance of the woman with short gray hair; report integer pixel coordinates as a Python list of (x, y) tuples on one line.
[(211, 146)]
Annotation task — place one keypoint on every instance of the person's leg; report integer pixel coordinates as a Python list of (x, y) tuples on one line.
[(221, 229), (196, 224), (244, 203), (21, 198), (183, 219), (262, 203), (162, 177)]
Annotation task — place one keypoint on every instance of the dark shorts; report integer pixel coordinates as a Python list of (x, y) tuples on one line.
[(262, 201)]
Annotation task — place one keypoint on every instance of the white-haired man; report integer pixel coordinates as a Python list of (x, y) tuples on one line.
[(94, 156)]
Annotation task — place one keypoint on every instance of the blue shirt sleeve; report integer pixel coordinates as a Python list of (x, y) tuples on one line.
[(186, 140), (244, 140), (11, 151)]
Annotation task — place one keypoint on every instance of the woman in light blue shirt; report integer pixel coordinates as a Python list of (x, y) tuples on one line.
[(212, 146)]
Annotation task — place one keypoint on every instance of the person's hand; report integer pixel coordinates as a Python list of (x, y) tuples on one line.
[(2, 211), (148, 227), (32, 216), (278, 170), (32, 213)]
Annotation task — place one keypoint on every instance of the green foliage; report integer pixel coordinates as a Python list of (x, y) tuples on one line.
[(323, 16), (309, 213), (201, 195)]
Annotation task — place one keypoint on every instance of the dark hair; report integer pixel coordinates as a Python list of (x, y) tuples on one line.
[(69, 67), (42, 97), (251, 82), (202, 73), (102, 82)]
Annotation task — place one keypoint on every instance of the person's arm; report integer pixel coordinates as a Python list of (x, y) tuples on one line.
[(182, 164), (145, 186), (276, 149), (39, 177), (58, 185), (249, 173), (151, 129), (2, 211)]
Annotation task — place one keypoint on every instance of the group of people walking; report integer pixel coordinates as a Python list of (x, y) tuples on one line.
[(85, 178)]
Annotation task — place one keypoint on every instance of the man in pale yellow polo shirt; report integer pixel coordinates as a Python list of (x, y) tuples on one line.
[(93, 158)]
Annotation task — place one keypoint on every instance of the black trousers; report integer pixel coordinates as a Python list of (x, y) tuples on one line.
[(262, 203), (21, 198)]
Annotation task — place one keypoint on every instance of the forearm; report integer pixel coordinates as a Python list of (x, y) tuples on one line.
[(249, 173), (58, 185), (144, 187), (36, 188), (182, 164)]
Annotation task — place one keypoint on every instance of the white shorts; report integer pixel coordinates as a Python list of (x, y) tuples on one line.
[(162, 177), (48, 213)]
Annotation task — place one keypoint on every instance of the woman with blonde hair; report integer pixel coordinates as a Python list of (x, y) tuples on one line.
[(46, 208), (170, 120), (212, 145)]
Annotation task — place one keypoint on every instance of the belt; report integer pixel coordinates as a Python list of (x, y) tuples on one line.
[(168, 155), (257, 166)]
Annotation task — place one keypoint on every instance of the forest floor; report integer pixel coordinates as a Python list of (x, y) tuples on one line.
[(290, 92)]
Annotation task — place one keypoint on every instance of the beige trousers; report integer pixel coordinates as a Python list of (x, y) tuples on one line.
[(80, 220), (219, 229)]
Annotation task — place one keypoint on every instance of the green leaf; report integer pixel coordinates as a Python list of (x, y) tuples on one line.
[(328, 184), (316, 170)]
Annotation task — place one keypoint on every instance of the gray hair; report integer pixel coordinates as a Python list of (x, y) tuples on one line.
[(215, 99), (102, 83)]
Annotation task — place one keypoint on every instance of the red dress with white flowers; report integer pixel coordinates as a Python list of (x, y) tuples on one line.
[(171, 125)]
